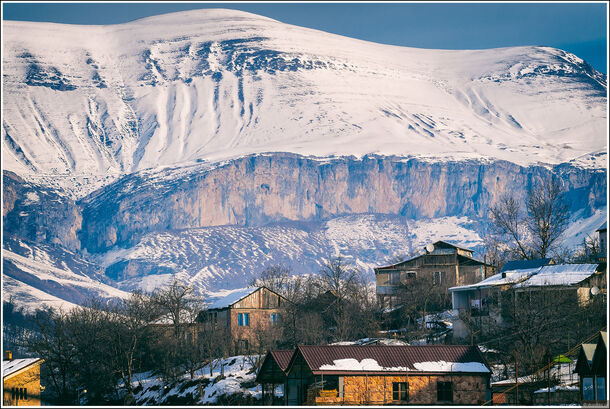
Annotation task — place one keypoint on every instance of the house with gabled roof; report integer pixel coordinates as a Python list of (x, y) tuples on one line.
[(445, 263), (21, 381), (382, 374), (592, 369), (272, 373), (245, 313)]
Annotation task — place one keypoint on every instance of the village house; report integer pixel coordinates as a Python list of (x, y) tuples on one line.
[(245, 313), (21, 381), (272, 374), (483, 301), (445, 263), (382, 374), (592, 369)]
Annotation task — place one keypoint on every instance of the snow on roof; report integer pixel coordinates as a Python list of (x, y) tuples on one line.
[(14, 365), (558, 388), (506, 277), (602, 227), (232, 297), (370, 365), (395, 358), (560, 274), (442, 366)]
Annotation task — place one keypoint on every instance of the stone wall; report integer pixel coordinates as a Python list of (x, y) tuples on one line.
[(377, 390)]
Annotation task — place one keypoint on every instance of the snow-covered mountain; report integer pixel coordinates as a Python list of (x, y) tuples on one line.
[(217, 138)]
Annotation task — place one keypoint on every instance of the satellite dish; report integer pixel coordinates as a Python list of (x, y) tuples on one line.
[(594, 290), (429, 247)]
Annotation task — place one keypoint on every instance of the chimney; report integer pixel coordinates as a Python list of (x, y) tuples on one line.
[(8, 355)]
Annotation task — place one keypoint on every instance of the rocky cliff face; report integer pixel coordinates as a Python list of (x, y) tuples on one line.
[(261, 189), (39, 214)]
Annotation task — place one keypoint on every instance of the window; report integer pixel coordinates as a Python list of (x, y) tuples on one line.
[(444, 391), (25, 393), (275, 318), (587, 389), (394, 278), (400, 391), (243, 319), (438, 277), (601, 388), (411, 276)]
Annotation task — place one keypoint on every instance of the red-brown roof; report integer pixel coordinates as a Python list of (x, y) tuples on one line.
[(412, 357), (282, 357)]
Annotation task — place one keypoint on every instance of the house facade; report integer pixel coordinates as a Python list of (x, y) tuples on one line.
[(574, 284), (592, 370), (246, 313), (446, 264), (21, 381), (382, 374)]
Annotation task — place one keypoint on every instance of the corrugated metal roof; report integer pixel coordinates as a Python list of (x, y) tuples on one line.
[(282, 357), (560, 274), (523, 264), (14, 365), (391, 356)]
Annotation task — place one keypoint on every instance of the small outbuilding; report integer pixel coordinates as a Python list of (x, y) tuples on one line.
[(592, 369), (382, 374), (272, 374), (21, 381)]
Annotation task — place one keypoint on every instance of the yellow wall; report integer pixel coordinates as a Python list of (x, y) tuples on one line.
[(29, 379)]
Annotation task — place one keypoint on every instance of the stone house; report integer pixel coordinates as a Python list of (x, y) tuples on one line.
[(246, 313), (445, 263), (21, 381), (382, 374), (592, 370)]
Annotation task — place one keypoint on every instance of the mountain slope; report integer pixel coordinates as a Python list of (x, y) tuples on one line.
[(211, 143), (219, 84)]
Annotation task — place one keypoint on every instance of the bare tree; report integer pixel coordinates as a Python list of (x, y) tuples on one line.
[(340, 278), (178, 303), (548, 215), (535, 232)]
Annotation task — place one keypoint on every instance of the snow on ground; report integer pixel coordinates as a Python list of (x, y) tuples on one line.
[(211, 85), (206, 388), (34, 282), (212, 257)]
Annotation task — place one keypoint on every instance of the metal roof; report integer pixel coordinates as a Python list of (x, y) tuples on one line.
[(14, 365), (602, 227), (282, 357), (523, 264), (409, 357)]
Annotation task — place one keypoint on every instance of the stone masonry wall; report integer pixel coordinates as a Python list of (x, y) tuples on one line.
[(377, 390)]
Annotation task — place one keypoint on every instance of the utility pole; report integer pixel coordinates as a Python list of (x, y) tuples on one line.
[(548, 381), (516, 382)]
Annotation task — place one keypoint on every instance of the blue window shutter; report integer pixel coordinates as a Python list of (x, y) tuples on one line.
[(240, 320), (247, 320)]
